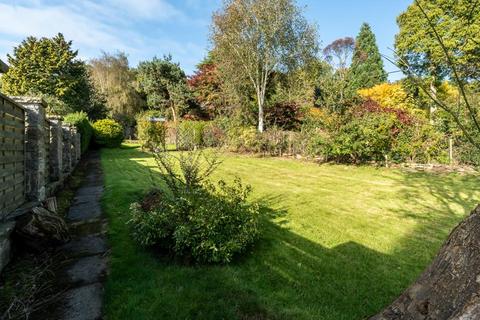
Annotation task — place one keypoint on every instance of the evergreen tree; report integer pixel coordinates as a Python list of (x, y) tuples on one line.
[(164, 83), (50, 68), (366, 70)]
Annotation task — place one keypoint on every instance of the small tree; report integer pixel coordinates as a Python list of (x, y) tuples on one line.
[(366, 70), (254, 38), (338, 54)]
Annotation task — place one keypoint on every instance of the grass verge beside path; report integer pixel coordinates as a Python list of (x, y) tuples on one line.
[(343, 241)]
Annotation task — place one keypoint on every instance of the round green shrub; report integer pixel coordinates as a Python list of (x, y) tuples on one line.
[(108, 133), (210, 224), (82, 123)]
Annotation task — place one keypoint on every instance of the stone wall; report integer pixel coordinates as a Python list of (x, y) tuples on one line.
[(37, 153)]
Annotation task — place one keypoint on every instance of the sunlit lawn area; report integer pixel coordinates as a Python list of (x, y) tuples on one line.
[(344, 241)]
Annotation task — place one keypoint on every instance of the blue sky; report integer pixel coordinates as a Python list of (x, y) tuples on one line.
[(145, 28)]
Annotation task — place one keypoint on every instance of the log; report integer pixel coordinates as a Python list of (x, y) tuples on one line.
[(450, 287)]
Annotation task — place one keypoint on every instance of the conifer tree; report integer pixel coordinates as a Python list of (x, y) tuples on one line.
[(366, 70)]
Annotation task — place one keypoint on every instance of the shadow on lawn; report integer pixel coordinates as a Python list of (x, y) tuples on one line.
[(286, 276), (455, 196)]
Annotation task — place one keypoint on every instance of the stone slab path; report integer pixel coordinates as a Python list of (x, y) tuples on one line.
[(84, 267)]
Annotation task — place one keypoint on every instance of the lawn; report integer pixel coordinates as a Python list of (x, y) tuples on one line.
[(342, 241)]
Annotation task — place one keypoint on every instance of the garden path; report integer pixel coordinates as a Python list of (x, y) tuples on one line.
[(85, 265)]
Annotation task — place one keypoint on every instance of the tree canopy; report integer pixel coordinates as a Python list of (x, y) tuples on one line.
[(207, 87), (165, 85), (116, 81), (335, 90), (50, 67), (456, 23)]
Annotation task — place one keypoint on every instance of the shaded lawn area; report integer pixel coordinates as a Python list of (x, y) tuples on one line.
[(345, 241)]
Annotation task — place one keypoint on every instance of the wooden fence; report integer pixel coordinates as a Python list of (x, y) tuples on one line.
[(12, 155)]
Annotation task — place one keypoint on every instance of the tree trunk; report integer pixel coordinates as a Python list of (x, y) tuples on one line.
[(261, 125), (450, 287), (174, 114), (433, 107)]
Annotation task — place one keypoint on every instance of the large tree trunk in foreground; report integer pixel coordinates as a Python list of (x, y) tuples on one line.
[(450, 287)]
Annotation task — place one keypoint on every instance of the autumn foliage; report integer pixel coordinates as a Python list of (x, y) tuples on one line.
[(206, 85)]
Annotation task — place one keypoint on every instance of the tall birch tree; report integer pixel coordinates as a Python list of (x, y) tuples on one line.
[(253, 39)]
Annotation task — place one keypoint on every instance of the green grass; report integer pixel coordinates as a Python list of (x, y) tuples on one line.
[(345, 241)]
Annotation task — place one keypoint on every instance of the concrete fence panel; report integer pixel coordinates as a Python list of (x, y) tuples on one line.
[(36, 147), (56, 148)]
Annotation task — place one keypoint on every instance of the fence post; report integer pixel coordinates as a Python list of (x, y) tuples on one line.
[(78, 146), (35, 147), (73, 149), (67, 149), (56, 148)]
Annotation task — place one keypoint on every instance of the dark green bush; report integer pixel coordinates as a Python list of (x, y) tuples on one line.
[(365, 138), (318, 144), (209, 224), (108, 133), (151, 132), (193, 218), (82, 123)]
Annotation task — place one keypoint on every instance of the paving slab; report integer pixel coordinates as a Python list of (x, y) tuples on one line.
[(83, 228), (84, 303), (88, 245), (87, 270), (85, 211), (90, 191)]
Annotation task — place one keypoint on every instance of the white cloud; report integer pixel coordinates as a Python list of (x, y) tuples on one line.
[(142, 28), (47, 21)]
